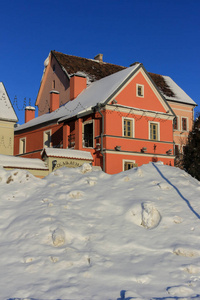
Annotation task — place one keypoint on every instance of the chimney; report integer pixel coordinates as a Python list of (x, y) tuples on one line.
[(29, 113), (54, 100), (99, 57), (77, 84)]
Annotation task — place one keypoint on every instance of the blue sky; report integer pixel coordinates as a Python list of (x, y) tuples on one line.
[(164, 35)]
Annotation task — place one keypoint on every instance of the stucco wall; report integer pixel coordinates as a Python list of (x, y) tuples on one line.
[(61, 85), (6, 137), (182, 111)]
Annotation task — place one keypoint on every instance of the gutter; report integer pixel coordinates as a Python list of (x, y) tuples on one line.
[(98, 108)]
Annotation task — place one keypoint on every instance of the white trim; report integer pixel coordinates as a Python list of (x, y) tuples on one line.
[(83, 124), (44, 138), (181, 128), (139, 154), (154, 89), (157, 93), (133, 126), (21, 145), (126, 160), (137, 86), (124, 85), (133, 110), (152, 122)]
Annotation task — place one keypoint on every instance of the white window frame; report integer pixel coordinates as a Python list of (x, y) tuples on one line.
[(137, 86), (85, 123), (152, 122), (133, 127), (22, 145), (178, 125), (127, 161), (182, 124), (44, 138)]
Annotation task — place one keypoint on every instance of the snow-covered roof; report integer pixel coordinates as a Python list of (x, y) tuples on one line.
[(101, 91), (179, 94), (98, 92), (6, 112), (67, 153), (21, 162)]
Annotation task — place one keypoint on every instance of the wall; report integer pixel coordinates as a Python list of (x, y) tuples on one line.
[(35, 172), (6, 137), (34, 140), (186, 111), (61, 85)]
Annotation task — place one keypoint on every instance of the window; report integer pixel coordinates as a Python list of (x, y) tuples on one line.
[(154, 131), (175, 123), (140, 90), (88, 134), (54, 68), (184, 124), (127, 127), (22, 146), (127, 165), (183, 149), (47, 138), (53, 84), (176, 150)]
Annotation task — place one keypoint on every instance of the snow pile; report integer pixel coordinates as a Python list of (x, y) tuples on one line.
[(83, 234)]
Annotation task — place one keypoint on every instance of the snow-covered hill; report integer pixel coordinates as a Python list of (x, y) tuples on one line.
[(83, 234)]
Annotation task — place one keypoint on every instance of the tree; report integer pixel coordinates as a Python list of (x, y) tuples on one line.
[(191, 156)]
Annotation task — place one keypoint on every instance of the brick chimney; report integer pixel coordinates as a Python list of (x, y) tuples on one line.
[(29, 113), (54, 100), (99, 57), (77, 84)]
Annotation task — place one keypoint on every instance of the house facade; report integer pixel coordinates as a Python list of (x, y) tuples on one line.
[(123, 116), (8, 119)]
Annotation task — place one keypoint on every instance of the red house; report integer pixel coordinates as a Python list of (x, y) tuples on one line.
[(120, 115)]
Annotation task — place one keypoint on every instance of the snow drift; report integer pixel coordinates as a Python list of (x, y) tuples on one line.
[(83, 234)]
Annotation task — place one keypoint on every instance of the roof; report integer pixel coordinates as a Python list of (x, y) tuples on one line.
[(96, 70), (7, 112), (98, 92), (67, 153), (93, 68), (22, 163), (178, 94)]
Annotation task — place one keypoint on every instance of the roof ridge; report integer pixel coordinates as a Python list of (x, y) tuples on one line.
[(90, 59)]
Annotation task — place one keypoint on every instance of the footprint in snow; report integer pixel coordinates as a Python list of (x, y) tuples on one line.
[(75, 194), (180, 291), (164, 186)]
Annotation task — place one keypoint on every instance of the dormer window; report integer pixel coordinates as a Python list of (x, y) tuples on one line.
[(140, 90)]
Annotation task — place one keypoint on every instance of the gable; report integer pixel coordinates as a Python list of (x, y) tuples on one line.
[(7, 112), (150, 99), (54, 78)]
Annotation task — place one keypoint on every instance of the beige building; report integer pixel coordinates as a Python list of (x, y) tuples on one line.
[(8, 119)]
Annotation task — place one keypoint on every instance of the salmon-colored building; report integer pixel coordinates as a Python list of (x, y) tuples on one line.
[(123, 116)]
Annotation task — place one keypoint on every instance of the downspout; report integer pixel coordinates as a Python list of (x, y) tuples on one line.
[(102, 133)]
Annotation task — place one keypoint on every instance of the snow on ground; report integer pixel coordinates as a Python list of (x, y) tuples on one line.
[(83, 234)]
